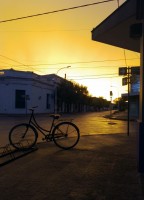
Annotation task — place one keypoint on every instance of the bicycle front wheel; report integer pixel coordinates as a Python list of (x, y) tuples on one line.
[(23, 136), (66, 135)]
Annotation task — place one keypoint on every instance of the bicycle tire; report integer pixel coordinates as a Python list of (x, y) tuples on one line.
[(66, 135), (23, 136)]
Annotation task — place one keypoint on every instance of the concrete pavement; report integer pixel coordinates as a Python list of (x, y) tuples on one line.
[(121, 115), (100, 167)]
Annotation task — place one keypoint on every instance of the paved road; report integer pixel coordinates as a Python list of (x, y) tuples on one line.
[(101, 167), (88, 123)]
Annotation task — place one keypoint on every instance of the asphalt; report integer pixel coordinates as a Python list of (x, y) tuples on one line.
[(100, 167)]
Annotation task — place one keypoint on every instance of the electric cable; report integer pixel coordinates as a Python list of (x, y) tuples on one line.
[(55, 11), (81, 62)]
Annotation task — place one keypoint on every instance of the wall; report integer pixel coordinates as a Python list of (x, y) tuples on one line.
[(36, 90)]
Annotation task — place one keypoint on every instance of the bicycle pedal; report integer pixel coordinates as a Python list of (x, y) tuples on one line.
[(49, 139)]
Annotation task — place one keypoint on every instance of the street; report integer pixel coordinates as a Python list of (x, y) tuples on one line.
[(88, 123), (102, 166)]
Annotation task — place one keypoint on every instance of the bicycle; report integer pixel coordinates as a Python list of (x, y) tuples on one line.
[(64, 134)]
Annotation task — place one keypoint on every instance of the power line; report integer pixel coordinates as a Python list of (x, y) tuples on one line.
[(54, 68), (87, 78), (95, 75), (80, 62), (18, 62), (55, 11), (5, 63), (12, 59), (125, 58), (46, 31), (30, 66)]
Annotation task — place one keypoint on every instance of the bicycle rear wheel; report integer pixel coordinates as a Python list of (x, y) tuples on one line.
[(66, 135), (23, 136)]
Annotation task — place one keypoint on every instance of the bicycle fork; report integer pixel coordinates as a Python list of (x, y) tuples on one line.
[(25, 132)]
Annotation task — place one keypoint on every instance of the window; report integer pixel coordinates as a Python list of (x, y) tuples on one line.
[(20, 99), (48, 101)]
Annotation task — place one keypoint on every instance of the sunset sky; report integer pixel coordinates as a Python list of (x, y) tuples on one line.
[(47, 43)]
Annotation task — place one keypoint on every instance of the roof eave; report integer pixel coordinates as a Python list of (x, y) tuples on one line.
[(115, 29)]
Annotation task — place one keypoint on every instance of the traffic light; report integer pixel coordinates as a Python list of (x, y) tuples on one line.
[(111, 93)]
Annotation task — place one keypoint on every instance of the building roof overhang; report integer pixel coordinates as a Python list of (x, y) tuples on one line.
[(115, 29)]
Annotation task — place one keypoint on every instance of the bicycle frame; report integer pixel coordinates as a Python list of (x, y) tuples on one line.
[(64, 134), (33, 122)]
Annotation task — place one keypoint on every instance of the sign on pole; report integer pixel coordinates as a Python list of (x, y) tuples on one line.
[(123, 71), (135, 70), (124, 81)]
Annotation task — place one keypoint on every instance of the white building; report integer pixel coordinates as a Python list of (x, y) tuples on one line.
[(21, 90)]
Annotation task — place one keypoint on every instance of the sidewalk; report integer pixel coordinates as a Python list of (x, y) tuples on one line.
[(100, 167), (120, 115)]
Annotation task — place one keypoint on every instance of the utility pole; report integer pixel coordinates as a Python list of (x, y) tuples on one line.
[(128, 76), (126, 71), (140, 19)]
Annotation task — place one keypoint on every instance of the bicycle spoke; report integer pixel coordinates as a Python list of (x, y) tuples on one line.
[(23, 136), (66, 135)]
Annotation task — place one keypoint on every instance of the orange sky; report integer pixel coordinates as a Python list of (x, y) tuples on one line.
[(47, 43)]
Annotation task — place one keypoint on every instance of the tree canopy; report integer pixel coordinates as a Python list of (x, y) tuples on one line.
[(73, 93)]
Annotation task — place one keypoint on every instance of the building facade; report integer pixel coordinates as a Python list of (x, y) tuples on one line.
[(134, 97), (21, 90)]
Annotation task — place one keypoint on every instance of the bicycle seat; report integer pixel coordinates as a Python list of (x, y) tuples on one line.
[(55, 116), (32, 108)]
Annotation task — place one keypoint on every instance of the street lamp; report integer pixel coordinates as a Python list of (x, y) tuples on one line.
[(62, 68), (55, 102)]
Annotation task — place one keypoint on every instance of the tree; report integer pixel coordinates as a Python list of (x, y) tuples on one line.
[(121, 103), (73, 96)]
